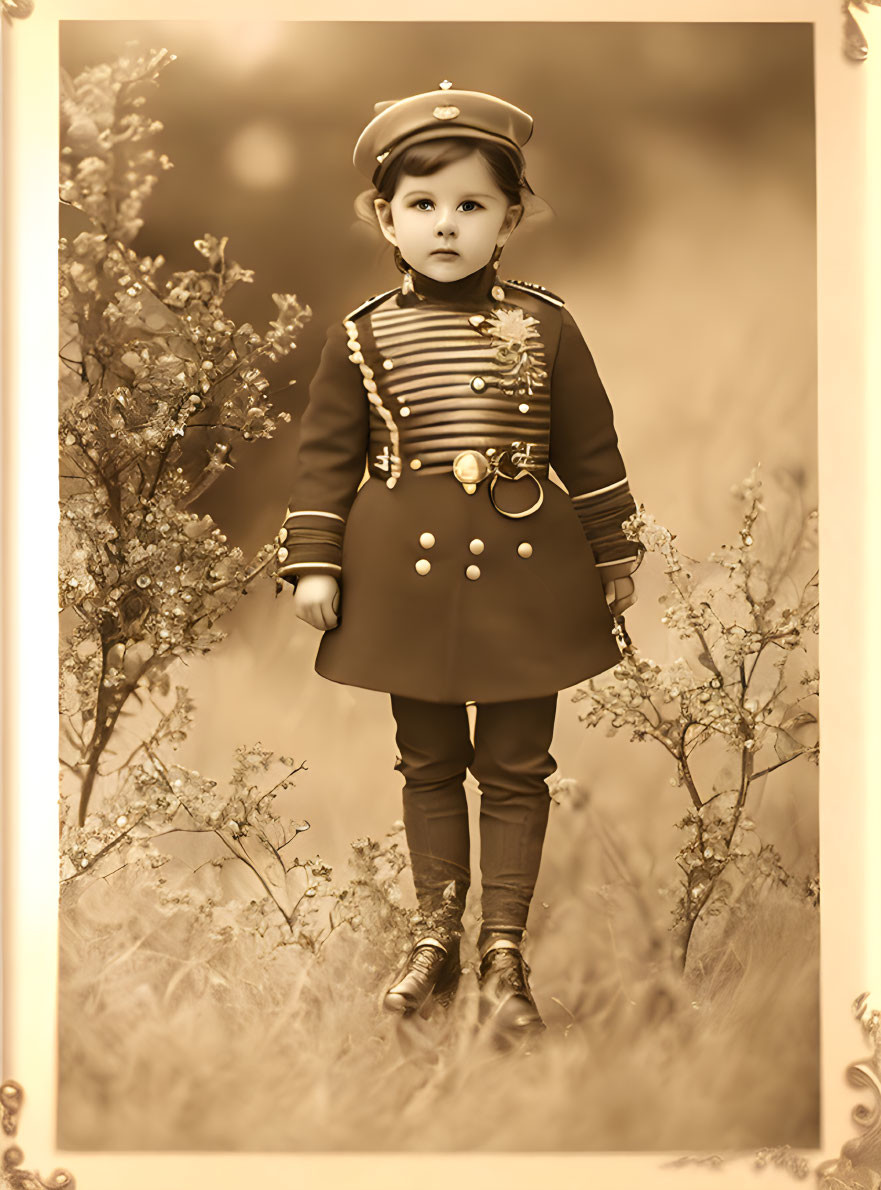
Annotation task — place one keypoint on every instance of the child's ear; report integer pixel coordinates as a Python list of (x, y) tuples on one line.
[(513, 215), (383, 210)]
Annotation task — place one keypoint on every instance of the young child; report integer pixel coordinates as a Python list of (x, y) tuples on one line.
[(458, 572)]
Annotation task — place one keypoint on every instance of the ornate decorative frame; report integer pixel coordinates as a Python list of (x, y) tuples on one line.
[(858, 1165)]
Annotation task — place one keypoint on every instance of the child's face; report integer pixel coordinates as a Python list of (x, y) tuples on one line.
[(447, 224)]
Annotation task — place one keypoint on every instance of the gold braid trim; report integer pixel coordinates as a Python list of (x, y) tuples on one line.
[(357, 357)]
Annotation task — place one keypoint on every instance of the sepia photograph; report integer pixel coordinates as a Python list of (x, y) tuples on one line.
[(439, 496)]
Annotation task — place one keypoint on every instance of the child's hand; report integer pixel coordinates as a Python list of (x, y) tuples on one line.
[(620, 594), (317, 600)]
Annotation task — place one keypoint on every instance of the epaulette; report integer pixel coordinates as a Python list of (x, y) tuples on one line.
[(538, 290), (368, 305)]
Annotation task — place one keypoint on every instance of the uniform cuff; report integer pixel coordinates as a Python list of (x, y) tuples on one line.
[(309, 542), (602, 512)]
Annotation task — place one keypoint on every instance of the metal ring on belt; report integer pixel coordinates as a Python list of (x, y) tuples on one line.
[(515, 479)]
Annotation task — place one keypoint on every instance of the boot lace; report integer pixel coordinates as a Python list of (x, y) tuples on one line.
[(510, 968)]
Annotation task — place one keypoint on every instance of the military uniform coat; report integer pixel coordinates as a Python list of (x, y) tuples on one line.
[(467, 573)]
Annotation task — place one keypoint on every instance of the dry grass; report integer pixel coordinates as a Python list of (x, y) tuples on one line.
[(178, 1033)]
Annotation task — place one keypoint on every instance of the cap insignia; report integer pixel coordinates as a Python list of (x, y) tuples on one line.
[(445, 113)]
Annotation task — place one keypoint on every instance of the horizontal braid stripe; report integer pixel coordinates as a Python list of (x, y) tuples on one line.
[(617, 510), (315, 552), (313, 512), (606, 528), (608, 516), (609, 556), (436, 379), (439, 381), (472, 436), (466, 362), (600, 491), (617, 497), (293, 568), (413, 356), (449, 450), (444, 408), (298, 537), (458, 394), (609, 541), (454, 335)]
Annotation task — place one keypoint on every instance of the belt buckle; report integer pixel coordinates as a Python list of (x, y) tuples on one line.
[(470, 467)]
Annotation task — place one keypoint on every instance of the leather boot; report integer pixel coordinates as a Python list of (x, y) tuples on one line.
[(429, 975), (506, 1005)]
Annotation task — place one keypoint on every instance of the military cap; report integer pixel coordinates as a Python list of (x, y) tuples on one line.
[(400, 123)]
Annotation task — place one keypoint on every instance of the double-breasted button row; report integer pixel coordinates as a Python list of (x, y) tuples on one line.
[(428, 540)]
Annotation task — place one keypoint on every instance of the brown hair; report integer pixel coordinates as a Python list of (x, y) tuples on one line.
[(427, 157)]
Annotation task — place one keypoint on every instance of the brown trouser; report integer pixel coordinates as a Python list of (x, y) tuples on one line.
[(510, 761)]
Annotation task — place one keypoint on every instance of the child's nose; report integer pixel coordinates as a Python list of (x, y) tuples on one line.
[(445, 225)]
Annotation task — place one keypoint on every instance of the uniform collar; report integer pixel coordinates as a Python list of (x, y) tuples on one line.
[(471, 291)]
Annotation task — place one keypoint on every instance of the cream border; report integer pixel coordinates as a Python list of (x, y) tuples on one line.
[(850, 479)]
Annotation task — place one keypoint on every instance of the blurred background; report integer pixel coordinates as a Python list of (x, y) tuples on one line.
[(678, 163)]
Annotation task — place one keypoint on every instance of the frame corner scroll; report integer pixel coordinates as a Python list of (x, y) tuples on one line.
[(11, 1173), (19, 9), (858, 1166), (856, 46)]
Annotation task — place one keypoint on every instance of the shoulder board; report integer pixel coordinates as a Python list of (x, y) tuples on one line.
[(368, 305), (538, 290)]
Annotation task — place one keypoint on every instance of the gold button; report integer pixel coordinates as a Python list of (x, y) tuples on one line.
[(387, 364), (405, 412), (498, 293), (282, 554), (426, 540), (523, 408), (524, 549), (470, 466), (478, 384), (472, 572), (476, 546), (423, 566), (415, 464), (282, 535)]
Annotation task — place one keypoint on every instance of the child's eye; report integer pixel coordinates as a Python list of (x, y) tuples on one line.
[(471, 205), (423, 204)]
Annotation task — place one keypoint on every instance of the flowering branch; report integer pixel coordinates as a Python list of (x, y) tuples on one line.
[(157, 386), (743, 654)]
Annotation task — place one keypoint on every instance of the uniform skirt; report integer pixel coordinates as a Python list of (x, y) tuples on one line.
[(445, 599)]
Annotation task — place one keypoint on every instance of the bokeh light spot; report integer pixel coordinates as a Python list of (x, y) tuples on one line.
[(261, 155)]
